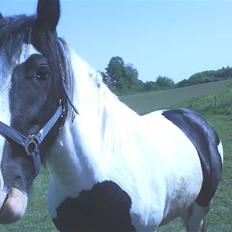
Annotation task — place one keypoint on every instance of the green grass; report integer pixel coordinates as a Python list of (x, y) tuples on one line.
[(200, 98), (37, 218), (218, 103), (155, 100)]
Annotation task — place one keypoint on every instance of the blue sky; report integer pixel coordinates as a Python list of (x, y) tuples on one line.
[(169, 38)]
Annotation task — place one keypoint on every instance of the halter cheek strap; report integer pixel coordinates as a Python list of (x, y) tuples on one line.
[(32, 142)]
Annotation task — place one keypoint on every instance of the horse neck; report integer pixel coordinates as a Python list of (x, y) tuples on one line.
[(71, 160)]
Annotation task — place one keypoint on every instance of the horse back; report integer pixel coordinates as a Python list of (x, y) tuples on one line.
[(206, 141)]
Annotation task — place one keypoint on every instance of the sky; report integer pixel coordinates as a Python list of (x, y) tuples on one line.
[(174, 38)]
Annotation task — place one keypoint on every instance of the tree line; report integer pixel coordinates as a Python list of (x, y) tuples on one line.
[(224, 73), (122, 78)]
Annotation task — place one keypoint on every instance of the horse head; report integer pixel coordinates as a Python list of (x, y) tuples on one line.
[(34, 74)]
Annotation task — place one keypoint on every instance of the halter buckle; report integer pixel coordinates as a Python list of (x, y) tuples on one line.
[(31, 145)]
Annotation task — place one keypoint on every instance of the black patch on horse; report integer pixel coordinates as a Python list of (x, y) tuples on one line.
[(206, 142), (104, 208)]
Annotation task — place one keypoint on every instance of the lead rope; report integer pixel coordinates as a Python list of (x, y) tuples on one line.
[(68, 98)]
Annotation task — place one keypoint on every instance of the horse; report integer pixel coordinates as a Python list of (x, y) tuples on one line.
[(111, 169)]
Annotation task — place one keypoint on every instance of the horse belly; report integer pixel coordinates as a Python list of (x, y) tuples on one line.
[(183, 185), (180, 164), (181, 199)]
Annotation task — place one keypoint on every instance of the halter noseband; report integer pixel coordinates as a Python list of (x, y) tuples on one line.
[(32, 142)]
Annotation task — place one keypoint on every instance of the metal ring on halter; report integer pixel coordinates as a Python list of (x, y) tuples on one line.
[(31, 145)]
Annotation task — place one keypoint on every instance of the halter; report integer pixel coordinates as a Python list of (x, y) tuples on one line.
[(32, 142)]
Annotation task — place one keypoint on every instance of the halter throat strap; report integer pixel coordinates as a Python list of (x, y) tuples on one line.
[(32, 142)]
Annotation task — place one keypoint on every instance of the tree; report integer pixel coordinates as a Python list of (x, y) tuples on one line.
[(150, 85), (114, 71), (207, 76), (121, 78), (165, 82)]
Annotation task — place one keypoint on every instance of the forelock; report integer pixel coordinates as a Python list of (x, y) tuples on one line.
[(14, 31)]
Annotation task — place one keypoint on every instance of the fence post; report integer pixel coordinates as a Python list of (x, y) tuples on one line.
[(215, 103)]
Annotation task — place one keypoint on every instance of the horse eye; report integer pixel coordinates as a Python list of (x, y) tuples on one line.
[(42, 72)]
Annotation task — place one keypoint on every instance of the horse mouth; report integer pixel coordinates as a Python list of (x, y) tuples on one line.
[(13, 206)]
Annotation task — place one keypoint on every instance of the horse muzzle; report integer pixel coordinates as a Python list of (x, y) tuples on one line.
[(13, 206)]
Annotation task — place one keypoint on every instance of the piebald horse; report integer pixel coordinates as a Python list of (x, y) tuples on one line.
[(111, 169)]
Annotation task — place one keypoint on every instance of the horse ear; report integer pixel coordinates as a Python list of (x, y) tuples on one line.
[(48, 13)]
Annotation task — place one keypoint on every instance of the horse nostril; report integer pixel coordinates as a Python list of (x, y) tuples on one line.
[(17, 182), (17, 178)]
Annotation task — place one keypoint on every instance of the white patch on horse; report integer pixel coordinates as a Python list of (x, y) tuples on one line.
[(5, 76), (109, 141), (4, 106), (27, 51), (220, 149)]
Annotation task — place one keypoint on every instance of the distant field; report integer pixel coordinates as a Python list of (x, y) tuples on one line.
[(155, 100), (197, 97)]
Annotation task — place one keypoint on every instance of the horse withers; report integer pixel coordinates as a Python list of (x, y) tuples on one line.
[(111, 169)]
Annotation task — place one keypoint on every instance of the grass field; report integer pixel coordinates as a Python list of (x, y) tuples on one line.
[(200, 98), (155, 100)]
